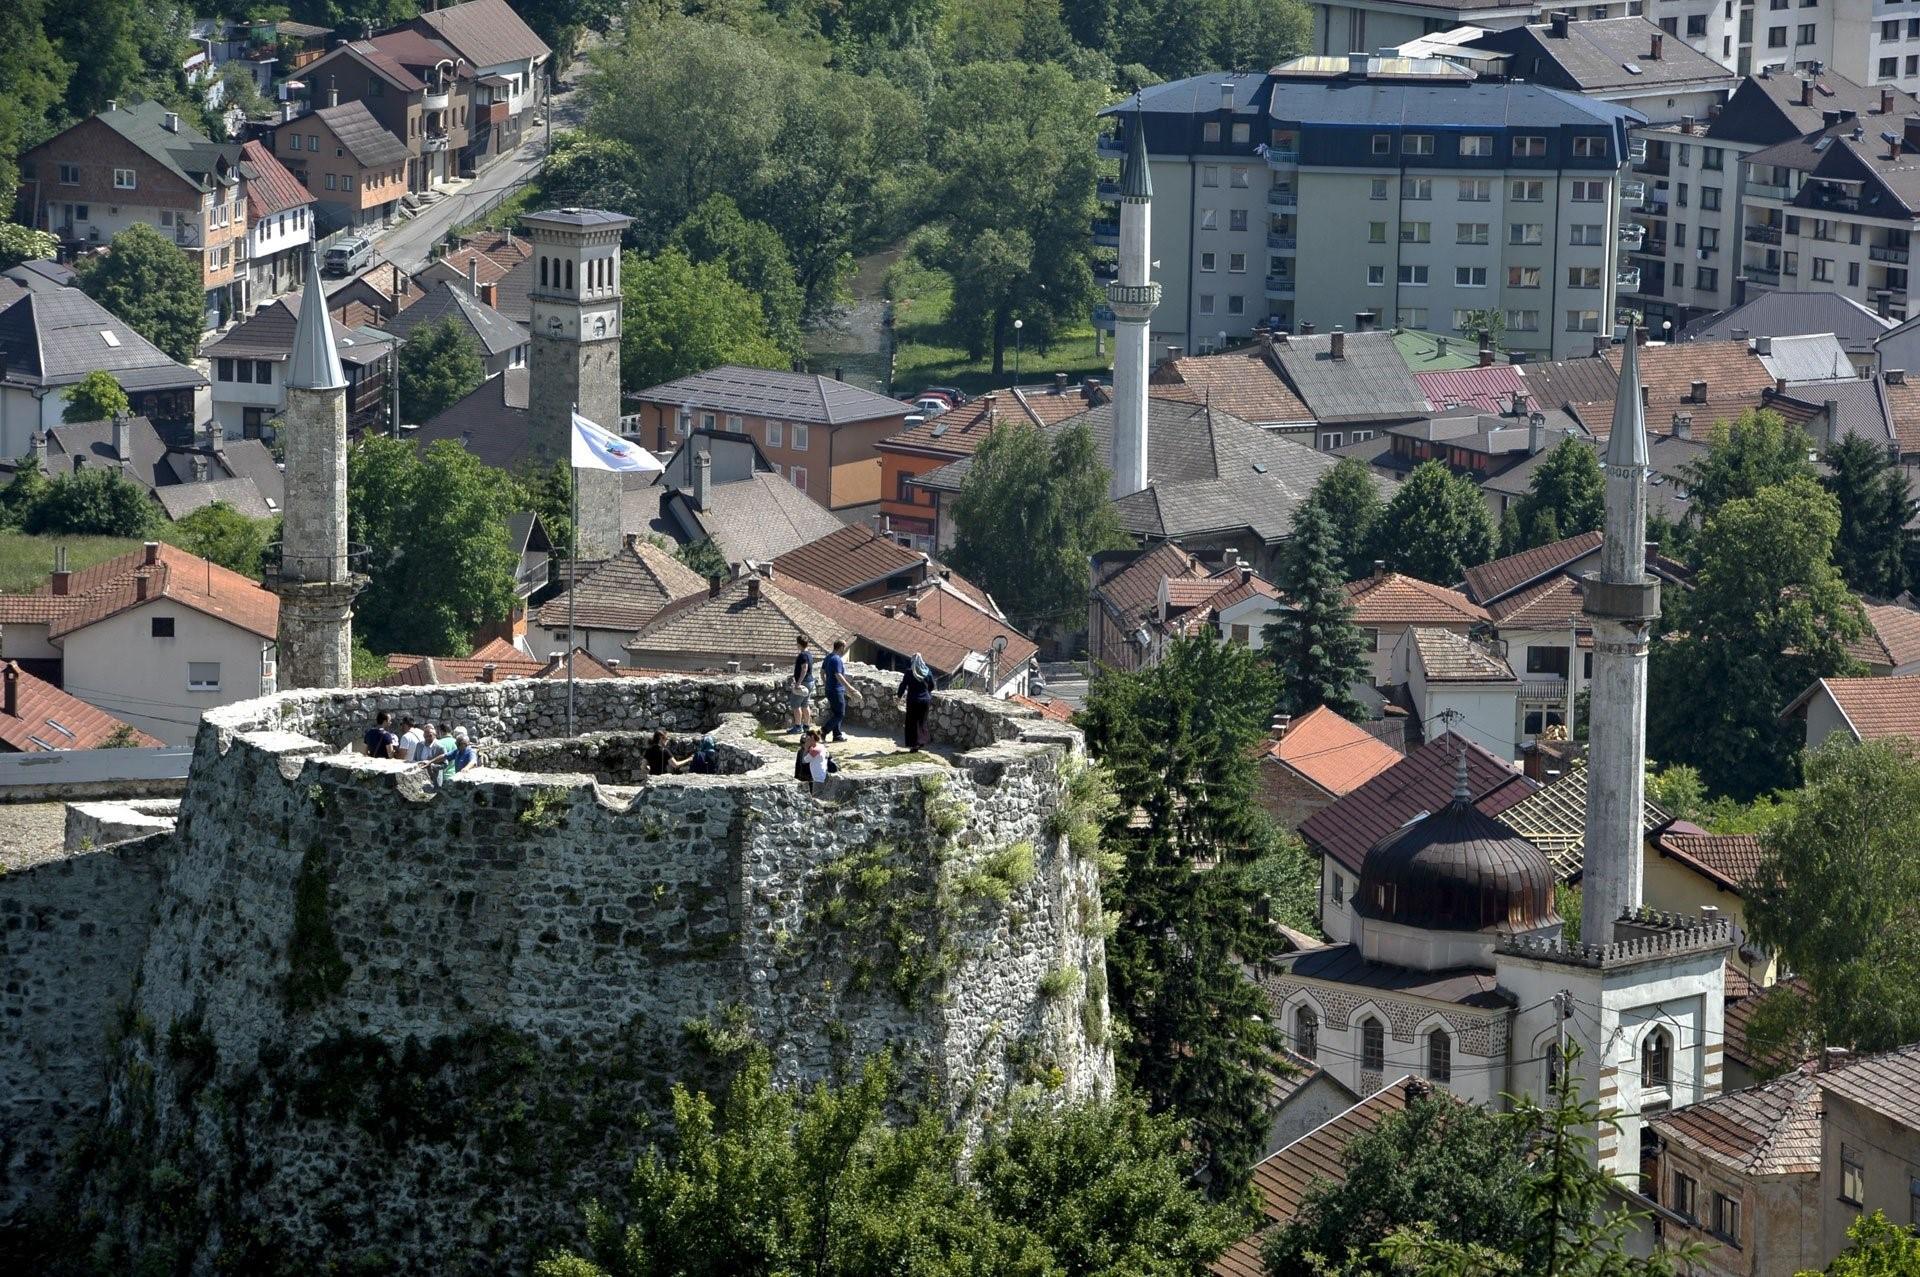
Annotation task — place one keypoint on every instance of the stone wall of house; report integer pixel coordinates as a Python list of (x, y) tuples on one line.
[(387, 1020)]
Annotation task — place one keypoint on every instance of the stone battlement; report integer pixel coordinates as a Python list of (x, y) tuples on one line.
[(1643, 935), (330, 937)]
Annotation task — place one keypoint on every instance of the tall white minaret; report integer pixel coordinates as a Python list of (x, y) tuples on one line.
[(1622, 600), (1132, 298), (315, 580)]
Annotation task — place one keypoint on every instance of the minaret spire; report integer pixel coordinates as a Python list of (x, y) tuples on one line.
[(1132, 298), (1621, 601), (314, 577)]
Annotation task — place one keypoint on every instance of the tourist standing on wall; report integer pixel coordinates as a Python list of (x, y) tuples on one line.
[(835, 668), (800, 693), (917, 689), (380, 740)]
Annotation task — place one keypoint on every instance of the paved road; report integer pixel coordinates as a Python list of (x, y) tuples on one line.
[(411, 242)]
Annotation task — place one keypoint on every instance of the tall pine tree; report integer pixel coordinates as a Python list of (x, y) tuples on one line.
[(1314, 645), (1351, 497), (1874, 500), (1178, 740)]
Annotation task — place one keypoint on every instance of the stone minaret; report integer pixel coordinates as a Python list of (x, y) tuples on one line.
[(315, 580), (1132, 297), (1622, 600), (575, 359)]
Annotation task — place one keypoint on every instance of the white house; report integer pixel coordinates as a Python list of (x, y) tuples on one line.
[(279, 224), (1459, 684)]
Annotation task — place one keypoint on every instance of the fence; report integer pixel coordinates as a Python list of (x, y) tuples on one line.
[(89, 773)]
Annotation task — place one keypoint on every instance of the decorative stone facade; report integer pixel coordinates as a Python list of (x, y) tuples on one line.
[(373, 1016)]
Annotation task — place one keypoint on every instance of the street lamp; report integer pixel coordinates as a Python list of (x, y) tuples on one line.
[(1018, 324)]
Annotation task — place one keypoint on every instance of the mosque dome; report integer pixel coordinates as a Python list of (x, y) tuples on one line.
[(1457, 870)]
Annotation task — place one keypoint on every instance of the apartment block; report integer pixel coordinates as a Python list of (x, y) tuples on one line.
[(1392, 192), (141, 164), (1367, 26), (416, 87)]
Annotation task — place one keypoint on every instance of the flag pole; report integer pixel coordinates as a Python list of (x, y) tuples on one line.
[(573, 560)]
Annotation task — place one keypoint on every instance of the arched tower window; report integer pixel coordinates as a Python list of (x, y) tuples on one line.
[(543, 270), (1656, 1060), (569, 274), (1439, 1056), (1373, 1045), (1306, 1033)]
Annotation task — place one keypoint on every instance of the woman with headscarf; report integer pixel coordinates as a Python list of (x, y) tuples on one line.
[(917, 689), (706, 757)]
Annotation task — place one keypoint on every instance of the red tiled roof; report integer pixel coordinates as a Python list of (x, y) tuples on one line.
[(112, 586), (1876, 708), (1489, 389), (498, 649), (46, 718), (1729, 859), (1422, 781), (1739, 1017), (1240, 382), (950, 626), (626, 591), (1281, 1180), (959, 432), (1887, 1084), (1770, 1129), (1554, 605), (1903, 405), (427, 671), (1331, 752), (1133, 592), (1735, 378), (1893, 639), (1397, 599), (1185, 592), (1490, 582), (270, 187), (1057, 710), (853, 557)]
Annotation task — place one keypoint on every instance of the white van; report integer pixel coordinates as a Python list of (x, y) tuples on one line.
[(349, 256)]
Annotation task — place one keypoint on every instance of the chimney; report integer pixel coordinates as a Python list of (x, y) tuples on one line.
[(1059, 383), (702, 480), (1357, 66), (911, 607), (170, 122), (473, 275), (152, 553), (1600, 346), (287, 110), (1683, 425), (1640, 338), (1893, 146), (1337, 344), (1281, 722), (990, 408), (40, 449), (1739, 334), (1779, 385), (713, 586), (1895, 376), (199, 467), (122, 439), (1379, 568), (1806, 93), (839, 373), (1440, 347), (488, 671), (62, 579), (1697, 392), (889, 611), (1886, 101), (333, 91), (1686, 124), (112, 105), (1536, 432), (1306, 328), (1560, 21), (1486, 353), (1653, 45), (1226, 95), (140, 585), (1174, 353), (11, 705), (1763, 345), (1834, 1057), (753, 588)]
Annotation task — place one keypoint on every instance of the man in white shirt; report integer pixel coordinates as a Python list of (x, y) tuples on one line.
[(413, 741)]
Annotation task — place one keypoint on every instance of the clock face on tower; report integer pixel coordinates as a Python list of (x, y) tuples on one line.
[(598, 323)]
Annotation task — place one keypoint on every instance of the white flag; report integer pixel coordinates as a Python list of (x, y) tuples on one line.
[(598, 449)]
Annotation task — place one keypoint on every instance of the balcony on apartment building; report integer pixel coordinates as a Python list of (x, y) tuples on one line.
[(1655, 163), (1283, 156), (1281, 242), (1283, 197), (1765, 276), (1107, 190), (1631, 235), (434, 141), (1650, 246), (1632, 191), (437, 99), (1761, 233), (1280, 286), (1894, 253), (1106, 234), (1111, 146)]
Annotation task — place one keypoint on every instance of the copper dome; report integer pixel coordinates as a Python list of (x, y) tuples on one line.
[(1457, 870)]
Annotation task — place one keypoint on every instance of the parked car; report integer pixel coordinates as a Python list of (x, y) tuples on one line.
[(953, 395), (931, 406), (349, 256)]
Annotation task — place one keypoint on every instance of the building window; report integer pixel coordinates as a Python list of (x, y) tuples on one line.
[(1823, 270), (1523, 234), (1470, 232), (799, 440), (1377, 189), (1416, 232), (1853, 1177), (346, 181), (1470, 276), (708, 421), (1592, 147), (1209, 175), (1208, 261), (223, 369), (1206, 303), (1777, 39), (1523, 321), (1696, 25), (1656, 1061), (1412, 275), (1679, 274), (1527, 190), (1210, 131), (1237, 262), (1376, 276), (162, 627), (1414, 317), (1476, 190), (1712, 158), (1339, 890), (1236, 304), (1209, 219), (1333, 439), (1242, 132), (1530, 146), (1587, 235), (1589, 192), (1237, 177), (1477, 144), (1710, 198), (1686, 1193), (1417, 144), (1306, 1033), (682, 423), (1236, 219), (332, 182), (1373, 1045), (69, 175), (1376, 232), (1371, 639), (776, 435), (203, 676), (1523, 277), (123, 179), (1439, 1056), (1383, 143), (1583, 321), (1890, 30), (798, 476), (1416, 188), (1583, 277), (1546, 659), (1707, 278), (1726, 1219)]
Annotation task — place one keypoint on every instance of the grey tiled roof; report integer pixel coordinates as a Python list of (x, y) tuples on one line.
[(243, 495), (93, 442), (1806, 357), (1859, 407), (1453, 658), (765, 392), (1370, 382), (57, 336), (185, 151), (758, 518), (1206, 470), (365, 138), (487, 32), (494, 331), (1766, 108), (491, 422), (1791, 313), (1596, 54), (268, 334)]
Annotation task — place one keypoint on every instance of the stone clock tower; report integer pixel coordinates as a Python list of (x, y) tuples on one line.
[(575, 360)]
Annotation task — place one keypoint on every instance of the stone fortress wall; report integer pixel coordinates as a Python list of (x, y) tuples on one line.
[(391, 1020)]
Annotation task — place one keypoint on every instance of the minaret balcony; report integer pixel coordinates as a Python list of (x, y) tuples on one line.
[(1133, 301), (1106, 234)]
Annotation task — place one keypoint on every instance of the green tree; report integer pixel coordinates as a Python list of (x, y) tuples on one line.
[(1351, 497), (153, 287), (1013, 139), (1179, 741), (1313, 643), (1438, 1159), (1768, 615), (1488, 325), (1677, 791), (1436, 526), (94, 501), (24, 244), (682, 318), (1757, 450), (219, 532), (435, 524), (1874, 500), (1032, 511), (1568, 496), (754, 258), (1835, 894), (439, 366), (1876, 1247), (603, 171), (96, 397), (23, 491), (704, 557), (33, 81), (1187, 37)]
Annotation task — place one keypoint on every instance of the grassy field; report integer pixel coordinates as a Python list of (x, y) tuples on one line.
[(25, 561), (927, 354)]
